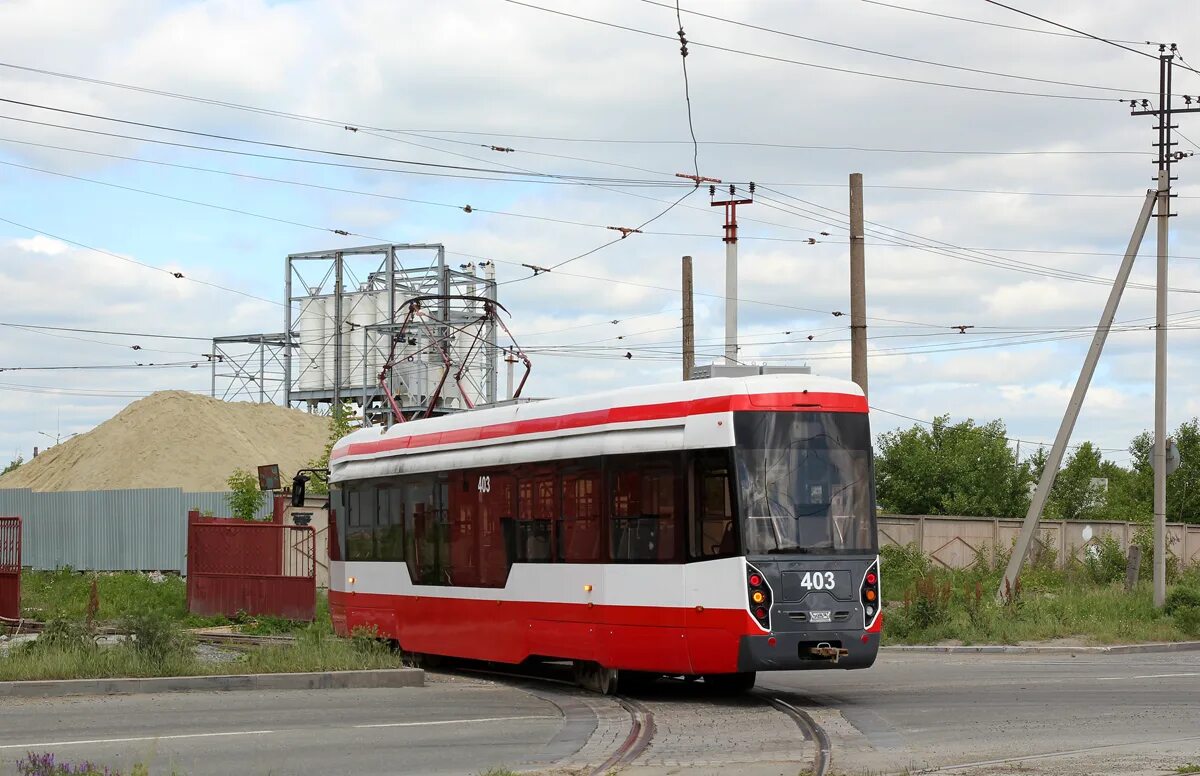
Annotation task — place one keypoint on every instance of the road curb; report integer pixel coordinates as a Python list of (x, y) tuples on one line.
[(1012, 649), (324, 680)]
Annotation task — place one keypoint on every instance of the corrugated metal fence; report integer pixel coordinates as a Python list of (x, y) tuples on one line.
[(109, 530)]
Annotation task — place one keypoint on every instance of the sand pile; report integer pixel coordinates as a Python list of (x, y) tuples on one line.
[(175, 439)]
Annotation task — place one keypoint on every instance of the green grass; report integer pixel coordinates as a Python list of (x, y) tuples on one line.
[(1189, 768), (928, 604), (313, 651), (48, 595)]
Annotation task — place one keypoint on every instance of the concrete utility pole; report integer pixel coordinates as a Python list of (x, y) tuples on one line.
[(1166, 156), (858, 285), (1008, 585), (510, 360), (731, 272), (1160, 396), (689, 321)]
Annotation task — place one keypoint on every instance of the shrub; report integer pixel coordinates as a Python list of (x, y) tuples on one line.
[(1187, 619), (245, 499), (1105, 561), (1181, 598), (155, 637), (64, 633), (1144, 537), (930, 603), (901, 567)]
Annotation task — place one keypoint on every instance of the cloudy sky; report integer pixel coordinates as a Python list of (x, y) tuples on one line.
[(995, 202)]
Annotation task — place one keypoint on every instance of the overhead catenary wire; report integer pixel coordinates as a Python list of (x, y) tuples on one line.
[(890, 55), (1073, 29), (925, 422), (343, 124), (787, 60), (943, 248), (998, 24), (173, 273), (330, 152)]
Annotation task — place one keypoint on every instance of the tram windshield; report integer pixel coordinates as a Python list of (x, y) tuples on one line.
[(806, 482)]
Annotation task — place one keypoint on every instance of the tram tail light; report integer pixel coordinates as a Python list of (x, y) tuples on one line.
[(872, 604), (760, 597)]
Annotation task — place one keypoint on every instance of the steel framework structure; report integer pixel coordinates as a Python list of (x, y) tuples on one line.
[(342, 363), (256, 374)]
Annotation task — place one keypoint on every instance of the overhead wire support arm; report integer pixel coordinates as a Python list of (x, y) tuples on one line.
[(697, 179)]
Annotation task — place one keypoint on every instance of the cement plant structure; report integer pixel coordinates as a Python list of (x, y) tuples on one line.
[(344, 308)]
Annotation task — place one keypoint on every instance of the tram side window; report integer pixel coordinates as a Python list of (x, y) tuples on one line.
[(642, 527), (360, 530), (579, 529), (530, 537), (464, 530), (497, 499), (389, 531), (713, 528)]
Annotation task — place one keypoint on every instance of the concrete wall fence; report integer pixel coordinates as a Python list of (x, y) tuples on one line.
[(109, 530), (957, 542)]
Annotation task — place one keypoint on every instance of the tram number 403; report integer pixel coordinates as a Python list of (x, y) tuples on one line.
[(818, 580), (485, 484)]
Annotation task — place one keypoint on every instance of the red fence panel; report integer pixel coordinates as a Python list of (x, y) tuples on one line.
[(10, 567), (257, 568)]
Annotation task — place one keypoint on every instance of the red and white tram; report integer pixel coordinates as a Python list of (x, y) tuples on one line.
[(710, 527)]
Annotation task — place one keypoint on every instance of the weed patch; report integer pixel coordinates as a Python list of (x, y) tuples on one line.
[(929, 604)]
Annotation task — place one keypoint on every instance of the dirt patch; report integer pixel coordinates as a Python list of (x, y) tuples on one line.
[(176, 439)]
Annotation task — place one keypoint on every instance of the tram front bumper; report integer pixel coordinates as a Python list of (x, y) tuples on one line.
[(847, 649)]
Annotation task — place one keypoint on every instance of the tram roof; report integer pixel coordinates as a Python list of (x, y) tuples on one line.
[(622, 411)]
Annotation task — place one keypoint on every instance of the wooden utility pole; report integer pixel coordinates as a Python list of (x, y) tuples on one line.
[(689, 321), (858, 285)]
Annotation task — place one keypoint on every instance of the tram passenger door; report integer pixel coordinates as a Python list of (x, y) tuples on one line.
[(713, 585)]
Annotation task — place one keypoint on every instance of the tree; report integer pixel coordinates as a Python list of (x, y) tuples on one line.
[(1077, 494), (951, 469), (341, 423), (13, 464), (1183, 485), (245, 499)]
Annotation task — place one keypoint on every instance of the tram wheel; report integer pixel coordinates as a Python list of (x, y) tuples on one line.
[(595, 677), (730, 684)]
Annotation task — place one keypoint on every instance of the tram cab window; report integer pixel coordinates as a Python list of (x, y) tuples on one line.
[(713, 530), (642, 522)]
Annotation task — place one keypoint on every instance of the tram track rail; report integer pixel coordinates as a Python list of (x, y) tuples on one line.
[(814, 733)]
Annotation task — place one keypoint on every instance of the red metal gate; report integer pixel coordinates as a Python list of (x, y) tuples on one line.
[(10, 568), (257, 568)]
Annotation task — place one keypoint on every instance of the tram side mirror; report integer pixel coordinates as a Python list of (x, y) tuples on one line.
[(298, 485)]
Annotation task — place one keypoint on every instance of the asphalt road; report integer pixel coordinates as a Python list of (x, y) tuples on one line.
[(443, 728), (978, 715), (1053, 714)]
